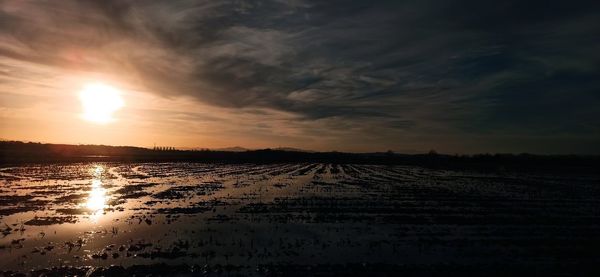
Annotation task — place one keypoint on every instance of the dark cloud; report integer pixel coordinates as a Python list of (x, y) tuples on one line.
[(430, 68)]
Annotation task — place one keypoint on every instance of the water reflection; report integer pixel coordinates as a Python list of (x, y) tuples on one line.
[(96, 201)]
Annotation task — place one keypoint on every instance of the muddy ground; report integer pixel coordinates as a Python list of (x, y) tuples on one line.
[(294, 219)]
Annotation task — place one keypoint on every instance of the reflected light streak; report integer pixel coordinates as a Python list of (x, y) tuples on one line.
[(96, 201)]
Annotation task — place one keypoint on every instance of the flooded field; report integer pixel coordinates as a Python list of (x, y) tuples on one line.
[(293, 219)]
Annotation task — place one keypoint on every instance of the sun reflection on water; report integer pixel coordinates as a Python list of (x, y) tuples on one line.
[(97, 197), (96, 201)]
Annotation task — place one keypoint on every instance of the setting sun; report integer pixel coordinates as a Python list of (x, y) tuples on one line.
[(99, 102)]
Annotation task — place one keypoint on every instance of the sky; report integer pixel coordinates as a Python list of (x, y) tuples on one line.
[(408, 76)]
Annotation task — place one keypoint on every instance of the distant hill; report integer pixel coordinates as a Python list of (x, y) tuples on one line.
[(291, 149), (242, 149), (232, 149)]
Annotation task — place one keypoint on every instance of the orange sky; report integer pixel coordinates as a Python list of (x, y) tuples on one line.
[(39, 112), (50, 110)]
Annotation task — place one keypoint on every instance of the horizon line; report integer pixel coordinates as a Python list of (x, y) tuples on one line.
[(294, 149)]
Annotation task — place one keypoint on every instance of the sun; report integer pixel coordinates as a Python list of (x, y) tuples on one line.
[(99, 102)]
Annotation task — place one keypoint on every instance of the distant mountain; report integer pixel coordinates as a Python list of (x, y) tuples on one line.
[(232, 149), (291, 149), (242, 149)]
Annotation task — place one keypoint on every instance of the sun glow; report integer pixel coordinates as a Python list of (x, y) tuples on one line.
[(99, 102)]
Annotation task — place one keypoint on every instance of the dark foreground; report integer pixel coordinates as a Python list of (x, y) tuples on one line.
[(110, 219)]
